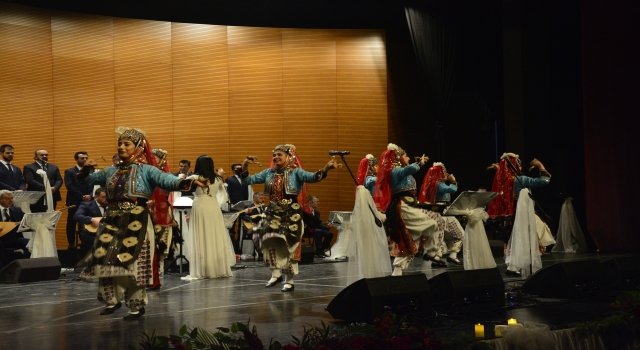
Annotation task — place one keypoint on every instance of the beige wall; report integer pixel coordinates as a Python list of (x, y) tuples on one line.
[(68, 80)]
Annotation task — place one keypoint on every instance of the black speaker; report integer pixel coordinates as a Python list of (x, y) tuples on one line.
[(31, 270), (622, 272), (307, 253), (368, 298), (566, 279), (478, 288)]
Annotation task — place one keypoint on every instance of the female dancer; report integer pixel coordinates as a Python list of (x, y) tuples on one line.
[(367, 171), (395, 195), (211, 249), (281, 230), (122, 252)]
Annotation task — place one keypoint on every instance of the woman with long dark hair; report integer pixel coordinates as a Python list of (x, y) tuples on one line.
[(211, 249)]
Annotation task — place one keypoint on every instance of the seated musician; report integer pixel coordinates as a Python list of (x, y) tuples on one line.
[(322, 235), (250, 218), (11, 239), (89, 215)]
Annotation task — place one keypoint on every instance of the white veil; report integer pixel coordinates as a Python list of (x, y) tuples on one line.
[(570, 238), (523, 250), (368, 248)]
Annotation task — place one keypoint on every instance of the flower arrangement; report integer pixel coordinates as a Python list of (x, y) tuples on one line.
[(387, 332)]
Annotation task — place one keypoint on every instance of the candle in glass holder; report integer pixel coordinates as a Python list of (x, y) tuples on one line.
[(512, 322), (479, 331)]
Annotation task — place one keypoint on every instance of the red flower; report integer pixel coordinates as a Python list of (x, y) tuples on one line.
[(290, 347), (322, 347), (358, 343), (401, 343)]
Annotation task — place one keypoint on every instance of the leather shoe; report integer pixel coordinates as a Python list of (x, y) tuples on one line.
[(455, 261), (438, 263), (134, 316), (290, 289), (271, 284), (513, 273), (110, 310)]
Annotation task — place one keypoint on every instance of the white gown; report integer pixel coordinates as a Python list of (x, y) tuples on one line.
[(210, 246)]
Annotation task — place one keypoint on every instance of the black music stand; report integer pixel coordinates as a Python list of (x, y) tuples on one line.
[(181, 204)]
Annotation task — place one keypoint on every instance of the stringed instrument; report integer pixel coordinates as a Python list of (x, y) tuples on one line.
[(250, 224), (90, 228), (8, 226)]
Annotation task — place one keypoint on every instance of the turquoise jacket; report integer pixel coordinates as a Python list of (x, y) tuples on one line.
[(529, 182), (141, 182), (444, 191), (402, 178), (370, 183), (293, 179)]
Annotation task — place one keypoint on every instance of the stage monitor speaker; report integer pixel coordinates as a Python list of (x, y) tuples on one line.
[(476, 288), (566, 279), (622, 272), (31, 270), (368, 298), (307, 253)]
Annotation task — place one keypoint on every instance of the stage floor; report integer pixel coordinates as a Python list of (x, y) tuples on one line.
[(65, 313)]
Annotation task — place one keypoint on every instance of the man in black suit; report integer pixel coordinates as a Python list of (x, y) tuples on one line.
[(252, 217), (10, 175), (76, 194), (322, 236), (184, 166), (35, 182), (90, 213), (237, 192), (13, 239)]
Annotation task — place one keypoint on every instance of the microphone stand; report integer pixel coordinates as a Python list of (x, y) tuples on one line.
[(378, 222)]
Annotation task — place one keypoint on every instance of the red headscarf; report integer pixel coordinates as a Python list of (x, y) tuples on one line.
[(388, 161), (161, 206), (503, 204), (434, 176)]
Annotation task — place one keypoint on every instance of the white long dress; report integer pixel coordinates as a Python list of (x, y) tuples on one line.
[(210, 246)]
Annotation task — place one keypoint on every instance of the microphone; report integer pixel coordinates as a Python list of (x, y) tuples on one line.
[(339, 153)]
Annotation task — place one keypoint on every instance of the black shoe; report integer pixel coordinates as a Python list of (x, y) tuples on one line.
[(290, 289), (321, 255), (455, 261), (110, 310), (134, 316), (271, 284), (260, 258), (438, 263), (513, 273), (156, 288)]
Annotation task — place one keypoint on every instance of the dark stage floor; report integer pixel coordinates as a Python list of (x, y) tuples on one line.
[(64, 314)]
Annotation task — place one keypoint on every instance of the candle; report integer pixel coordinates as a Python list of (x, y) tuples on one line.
[(512, 322), (479, 331)]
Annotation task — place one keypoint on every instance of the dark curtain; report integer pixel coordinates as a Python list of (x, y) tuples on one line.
[(435, 46), (610, 55)]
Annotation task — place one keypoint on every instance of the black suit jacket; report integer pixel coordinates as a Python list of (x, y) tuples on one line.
[(75, 190), (87, 211), (237, 190), (11, 181), (15, 214), (312, 221), (35, 182)]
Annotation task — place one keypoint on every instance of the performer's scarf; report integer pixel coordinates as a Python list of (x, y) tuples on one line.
[(430, 184)]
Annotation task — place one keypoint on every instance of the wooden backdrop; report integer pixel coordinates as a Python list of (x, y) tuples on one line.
[(68, 80)]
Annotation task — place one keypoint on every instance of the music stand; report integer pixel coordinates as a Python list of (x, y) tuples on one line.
[(469, 200), (42, 242), (242, 205), (24, 199), (181, 204)]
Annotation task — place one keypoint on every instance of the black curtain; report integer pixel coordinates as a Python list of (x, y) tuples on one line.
[(435, 43)]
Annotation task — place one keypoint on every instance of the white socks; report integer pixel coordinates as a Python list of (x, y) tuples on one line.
[(275, 274), (288, 278), (397, 271), (453, 255)]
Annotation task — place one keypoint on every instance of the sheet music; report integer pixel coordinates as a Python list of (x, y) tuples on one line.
[(469, 200)]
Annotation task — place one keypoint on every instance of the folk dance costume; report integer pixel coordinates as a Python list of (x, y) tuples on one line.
[(162, 223), (122, 253), (395, 194), (280, 232), (367, 171), (503, 207), (450, 233)]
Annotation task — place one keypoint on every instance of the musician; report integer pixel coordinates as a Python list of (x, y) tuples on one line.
[(502, 209), (395, 194), (10, 175), (13, 238), (281, 230), (253, 215), (76, 194), (90, 213), (183, 172), (367, 171), (36, 181), (237, 191), (437, 187), (322, 235)]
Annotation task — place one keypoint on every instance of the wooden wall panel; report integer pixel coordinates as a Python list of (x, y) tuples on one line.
[(195, 89)]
